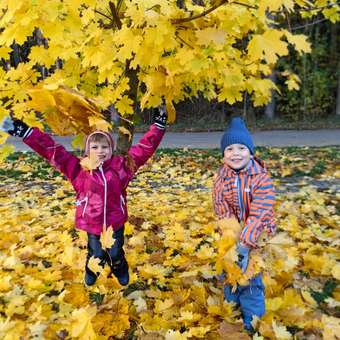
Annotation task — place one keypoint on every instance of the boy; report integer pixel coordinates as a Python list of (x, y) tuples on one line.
[(243, 190)]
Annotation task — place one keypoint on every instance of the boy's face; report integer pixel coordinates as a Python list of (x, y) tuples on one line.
[(236, 156), (100, 151)]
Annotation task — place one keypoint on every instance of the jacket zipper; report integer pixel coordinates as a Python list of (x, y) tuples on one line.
[(105, 192), (239, 193)]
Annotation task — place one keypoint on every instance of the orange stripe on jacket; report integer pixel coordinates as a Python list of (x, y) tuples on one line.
[(249, 196)]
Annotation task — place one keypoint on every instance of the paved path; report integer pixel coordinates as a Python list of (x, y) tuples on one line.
[(209, 140)]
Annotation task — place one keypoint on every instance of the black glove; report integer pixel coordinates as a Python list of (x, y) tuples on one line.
[(160, 117), (15, 127)]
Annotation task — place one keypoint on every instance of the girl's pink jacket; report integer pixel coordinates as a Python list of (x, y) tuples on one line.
[(101, 195)]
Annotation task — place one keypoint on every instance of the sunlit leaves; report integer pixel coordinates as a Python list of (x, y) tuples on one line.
[(220, 55)]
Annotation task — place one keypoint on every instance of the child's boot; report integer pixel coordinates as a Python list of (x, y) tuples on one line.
[(120, 270), (247, 324), (90, 277)]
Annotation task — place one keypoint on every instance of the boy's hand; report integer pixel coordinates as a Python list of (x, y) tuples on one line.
[(243, 256), (160, 117), (14, 127)]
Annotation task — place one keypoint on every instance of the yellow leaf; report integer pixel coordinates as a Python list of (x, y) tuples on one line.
[(299, 41), (281, 332), (140, 304), (210, 34), (331, 327), (308, 298), (4, 52), (106, 238), (99, 123), (161, 306), (3, 137), (5, 283), (41, 99), (89, 163), (274, 304), (336, 271), (267, 46), (170, 109), (125, 131), (94, 264), (124, 105), (78, 141), (5, 151), (81, 323)]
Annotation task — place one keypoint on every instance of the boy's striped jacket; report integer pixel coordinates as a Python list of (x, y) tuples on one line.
[(249, 196)]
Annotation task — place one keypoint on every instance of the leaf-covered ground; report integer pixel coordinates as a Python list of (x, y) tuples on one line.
[(170, 245)]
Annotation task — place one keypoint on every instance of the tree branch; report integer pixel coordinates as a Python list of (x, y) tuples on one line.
[(103, 14), (182, 40), (115, 15), (209, 10), (245, 5), (320, 8), (310, 9), (309, 24)]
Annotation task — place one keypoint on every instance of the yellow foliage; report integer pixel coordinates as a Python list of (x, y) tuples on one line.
[(159, 46)]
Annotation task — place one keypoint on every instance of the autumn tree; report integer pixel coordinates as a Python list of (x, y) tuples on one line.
[(140, 54)]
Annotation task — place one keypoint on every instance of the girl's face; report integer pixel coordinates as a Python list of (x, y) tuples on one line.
[(236, 156), (100, 151)]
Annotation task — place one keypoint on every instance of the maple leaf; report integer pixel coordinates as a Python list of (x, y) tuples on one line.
[(94, 265), (106, 238), (281, 332), (125, 131), (89, 163), (81, 323), (268, 46), (211, 34)]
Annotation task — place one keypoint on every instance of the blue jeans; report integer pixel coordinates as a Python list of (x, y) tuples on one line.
[(95, 249), (250, 298)]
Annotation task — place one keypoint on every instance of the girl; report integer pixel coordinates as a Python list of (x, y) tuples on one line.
[(101, 192)]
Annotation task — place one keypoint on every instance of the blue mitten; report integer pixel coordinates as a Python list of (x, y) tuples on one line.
[(243, 256)]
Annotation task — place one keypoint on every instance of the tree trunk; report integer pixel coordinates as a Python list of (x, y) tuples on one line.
[(337, 110), (334, 56), (123, 141), (269, 111)]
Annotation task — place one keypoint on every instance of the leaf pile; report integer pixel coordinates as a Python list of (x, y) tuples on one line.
[(171, 249)]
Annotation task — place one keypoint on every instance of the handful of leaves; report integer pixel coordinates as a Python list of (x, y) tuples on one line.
[(230, 229)]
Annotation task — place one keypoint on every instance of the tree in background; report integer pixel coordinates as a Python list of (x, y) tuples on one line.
[(134, 54)]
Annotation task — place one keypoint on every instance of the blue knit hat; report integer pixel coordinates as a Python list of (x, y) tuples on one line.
[(237, 133)]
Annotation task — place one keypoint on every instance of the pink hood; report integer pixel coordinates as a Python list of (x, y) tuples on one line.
[(99, 132)]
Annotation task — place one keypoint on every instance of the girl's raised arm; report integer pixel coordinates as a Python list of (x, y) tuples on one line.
[(148, 144), (43, 144)]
